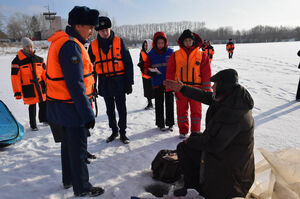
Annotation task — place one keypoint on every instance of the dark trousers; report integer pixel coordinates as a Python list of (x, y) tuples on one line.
[(163, 98), (73, 155), (32, 114), (120, 103), (230, 55), (148, 90), (298, 91), (189, 160)]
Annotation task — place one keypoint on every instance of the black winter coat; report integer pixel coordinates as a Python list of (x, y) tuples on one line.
[(226, 144)]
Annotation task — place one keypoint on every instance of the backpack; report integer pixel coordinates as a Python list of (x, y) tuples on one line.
[(165, 166)]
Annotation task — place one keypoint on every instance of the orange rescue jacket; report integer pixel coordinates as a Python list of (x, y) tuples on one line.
[(56, 85), (188, 67), (210, 52), (230, 47), (28, 78), (110, 64), (144, 57)]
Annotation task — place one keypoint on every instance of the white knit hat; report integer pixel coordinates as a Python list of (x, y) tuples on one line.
[(26, 42)]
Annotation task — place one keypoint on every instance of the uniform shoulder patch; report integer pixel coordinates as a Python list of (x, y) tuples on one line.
[(74, 59)]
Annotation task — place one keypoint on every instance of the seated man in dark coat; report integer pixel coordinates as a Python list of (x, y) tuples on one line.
[(219, 162)]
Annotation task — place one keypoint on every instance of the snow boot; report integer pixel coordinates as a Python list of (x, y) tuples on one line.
[(124, 139), (112, 137), (149, 106), (90, 156), (92, 192)]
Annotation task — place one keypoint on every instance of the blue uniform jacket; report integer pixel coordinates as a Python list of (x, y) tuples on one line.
[(119, 84), (159, 61), (80, 112)]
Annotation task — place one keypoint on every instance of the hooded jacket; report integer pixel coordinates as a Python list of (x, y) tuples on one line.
[(158, 59), (205, 68), (143, 57), (226, 145)]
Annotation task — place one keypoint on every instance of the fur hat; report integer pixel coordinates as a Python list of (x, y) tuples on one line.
[(82, 15), (26, 42), (226, 80), (104, 23)]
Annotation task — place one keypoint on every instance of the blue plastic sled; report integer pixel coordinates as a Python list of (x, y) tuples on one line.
[(11, 130)]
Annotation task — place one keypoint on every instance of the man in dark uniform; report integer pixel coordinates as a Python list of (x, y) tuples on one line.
[(70, 83), (114, 67), (219, 162)]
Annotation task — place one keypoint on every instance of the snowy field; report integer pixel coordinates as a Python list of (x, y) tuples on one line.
[(31, 168)]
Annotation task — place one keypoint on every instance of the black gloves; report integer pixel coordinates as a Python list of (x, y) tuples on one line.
[(298, 53), (129, 89), (18, 95), (90, 124)]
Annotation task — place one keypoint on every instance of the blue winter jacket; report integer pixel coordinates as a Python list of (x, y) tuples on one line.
[(119, 84), (159, 61), (80, 112)]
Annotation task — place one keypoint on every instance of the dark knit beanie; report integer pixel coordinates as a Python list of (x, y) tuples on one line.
[(104, 23), (187, 34), (226, 80), (82, 15)]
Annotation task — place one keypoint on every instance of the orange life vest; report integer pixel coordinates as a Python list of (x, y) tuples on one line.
[(110, 64), (144, 57), (210, 52), (56, 85), (27, 77), (188, 67), (230, 47)]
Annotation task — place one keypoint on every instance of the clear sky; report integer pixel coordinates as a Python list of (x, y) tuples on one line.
[(239, 14)]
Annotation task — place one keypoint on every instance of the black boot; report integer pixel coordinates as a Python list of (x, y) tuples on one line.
[(124, 139), (90, 156), (149, 106), (92, 192), (112, 137)]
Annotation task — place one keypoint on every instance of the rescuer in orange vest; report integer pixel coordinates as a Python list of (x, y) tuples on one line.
[(69, 89), (230, 48), (147, 83), (114, 67), (190, 66), (28, 81), (209, 50)]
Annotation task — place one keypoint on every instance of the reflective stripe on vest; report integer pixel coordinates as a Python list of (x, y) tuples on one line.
[(56, 86), (144, 57), (188, 67), (109, 64)]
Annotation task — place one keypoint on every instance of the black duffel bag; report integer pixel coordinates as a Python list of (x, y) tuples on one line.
[(165, 166)]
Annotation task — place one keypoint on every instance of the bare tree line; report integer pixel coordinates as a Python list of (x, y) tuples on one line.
[(20, 25)]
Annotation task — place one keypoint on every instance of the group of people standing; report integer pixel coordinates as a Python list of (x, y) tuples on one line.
[(188, 65), (67, 82)]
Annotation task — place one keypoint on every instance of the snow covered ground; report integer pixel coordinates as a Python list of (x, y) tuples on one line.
[(31, 168)]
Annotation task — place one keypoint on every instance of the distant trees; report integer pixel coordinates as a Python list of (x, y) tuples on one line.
[(20, 25), (2, 34), (134, 34), (137, 33)]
